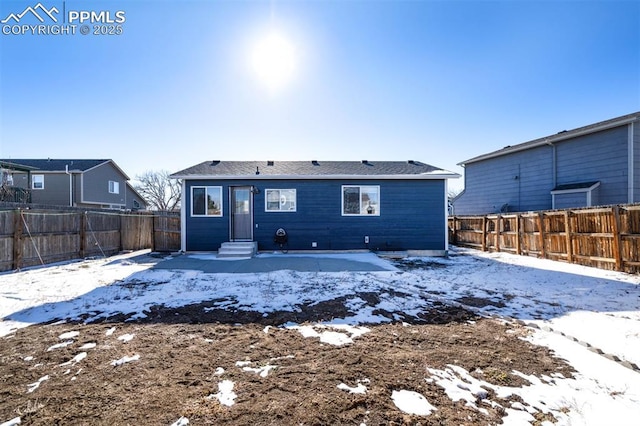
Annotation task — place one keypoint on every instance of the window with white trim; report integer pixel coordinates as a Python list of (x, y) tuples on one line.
[(206, 201), (114, 187), (37, 181), (360, 200), (280, 200)]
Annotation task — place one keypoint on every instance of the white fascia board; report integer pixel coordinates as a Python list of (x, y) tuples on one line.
[(576, 190), (426, 176)]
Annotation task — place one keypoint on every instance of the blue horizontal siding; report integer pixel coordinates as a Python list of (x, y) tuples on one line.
[(411, 217), (600, 156), (522, 180)]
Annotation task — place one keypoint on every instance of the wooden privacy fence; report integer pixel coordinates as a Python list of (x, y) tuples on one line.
[(33, 237), (603, 237)]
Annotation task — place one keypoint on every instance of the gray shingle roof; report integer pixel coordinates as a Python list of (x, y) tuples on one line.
[(56, 165), (310, 169)]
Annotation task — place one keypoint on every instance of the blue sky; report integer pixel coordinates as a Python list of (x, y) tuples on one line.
[(435, 81)]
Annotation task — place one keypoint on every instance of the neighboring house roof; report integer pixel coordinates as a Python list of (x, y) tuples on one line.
[(61, 165), (565, 134), (15, 166), (313, 170)]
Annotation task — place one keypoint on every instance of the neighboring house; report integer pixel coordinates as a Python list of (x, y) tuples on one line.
[(80, 183), (8, 191), (322, 205), (593, 165)]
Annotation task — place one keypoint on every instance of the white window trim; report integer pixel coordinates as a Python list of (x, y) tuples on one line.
[(33, 181), (219, 188), (115, 185), (266, 200), (377, 213)]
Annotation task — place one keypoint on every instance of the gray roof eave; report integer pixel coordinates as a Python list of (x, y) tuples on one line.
[(440, 174)]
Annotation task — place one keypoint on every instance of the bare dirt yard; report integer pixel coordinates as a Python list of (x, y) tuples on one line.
[(174, 364)]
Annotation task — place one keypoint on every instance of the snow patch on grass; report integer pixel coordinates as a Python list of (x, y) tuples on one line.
[(124, 360), (412, 403), (225, 394)]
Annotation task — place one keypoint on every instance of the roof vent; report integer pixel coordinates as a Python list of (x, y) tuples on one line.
[(269, 163), (315, 162), (257, 170), (411, 162), (365, 161), (215, 163)]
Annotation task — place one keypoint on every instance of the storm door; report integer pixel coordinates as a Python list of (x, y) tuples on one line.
[(241, 213)]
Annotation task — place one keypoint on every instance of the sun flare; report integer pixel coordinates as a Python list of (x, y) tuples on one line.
[(273, 59)]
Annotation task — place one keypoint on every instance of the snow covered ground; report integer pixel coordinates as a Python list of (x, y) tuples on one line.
[(589, 317)]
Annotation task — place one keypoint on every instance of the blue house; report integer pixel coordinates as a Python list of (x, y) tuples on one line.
[(321, 205), (598, 164)]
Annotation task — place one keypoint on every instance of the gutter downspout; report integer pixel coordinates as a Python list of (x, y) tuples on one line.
[(631, 161), (446, 218), (554, 165), (66, 170), (183, 217)]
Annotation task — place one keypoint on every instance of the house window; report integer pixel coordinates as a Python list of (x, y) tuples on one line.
[(206, 201), (37, 181), (280, 200), (114, 187), (360, 200)]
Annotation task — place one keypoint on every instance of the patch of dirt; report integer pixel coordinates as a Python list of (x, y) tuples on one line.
[(179, 364), (479, 302), (409, 264)]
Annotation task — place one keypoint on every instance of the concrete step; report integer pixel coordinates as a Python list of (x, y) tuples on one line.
[(238, 249)]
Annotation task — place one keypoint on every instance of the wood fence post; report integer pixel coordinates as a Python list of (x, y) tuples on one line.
[(83, 235), (568, 231), (454, 237), (498, 233), (120, 247), (484, 233), (518, 244), (541, 234), (153, 231), (17, 238), (617, 238)]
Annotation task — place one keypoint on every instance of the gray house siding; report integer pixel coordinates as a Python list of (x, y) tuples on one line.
[(520, 181), (55, 192), (600, 157), (412, 216), (134, 201), (95, 186), (89, 181)]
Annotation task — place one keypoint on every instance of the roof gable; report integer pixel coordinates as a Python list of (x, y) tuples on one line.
[(311, 170)]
